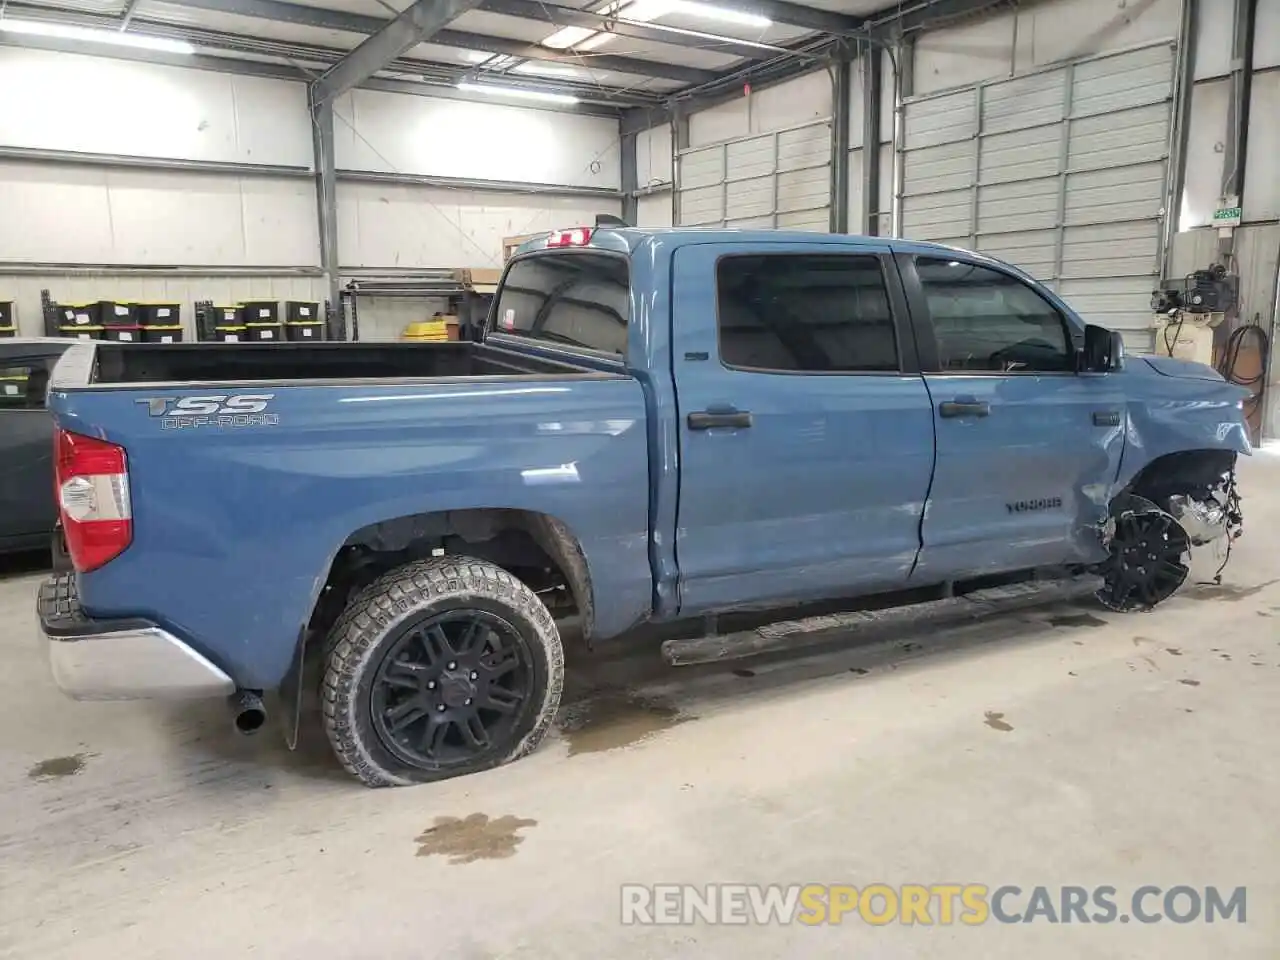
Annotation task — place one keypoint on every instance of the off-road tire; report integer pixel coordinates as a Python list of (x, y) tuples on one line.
[(367, 626)]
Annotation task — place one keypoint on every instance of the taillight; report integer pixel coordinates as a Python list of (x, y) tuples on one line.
[(574, 237), (92, 481)]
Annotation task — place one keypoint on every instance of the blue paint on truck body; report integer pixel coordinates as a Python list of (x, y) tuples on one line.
[(844, 484)]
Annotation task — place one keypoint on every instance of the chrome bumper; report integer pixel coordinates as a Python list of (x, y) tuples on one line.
[(119, 659)]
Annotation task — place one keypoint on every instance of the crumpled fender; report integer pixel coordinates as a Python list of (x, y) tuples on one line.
[(1175, 414)]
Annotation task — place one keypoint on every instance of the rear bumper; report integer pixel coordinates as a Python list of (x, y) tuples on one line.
[(119, 659)]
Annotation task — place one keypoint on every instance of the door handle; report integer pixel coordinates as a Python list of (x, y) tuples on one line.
[(964, 408), (707, 419)]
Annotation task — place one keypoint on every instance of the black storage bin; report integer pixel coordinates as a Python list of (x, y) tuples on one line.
[(159, 314), (230, 334), (122, 334), (302, 311), (264, 332), (161, 334), (114, 313), (82, 332), (304, 331), (260, 311), (78, 315)]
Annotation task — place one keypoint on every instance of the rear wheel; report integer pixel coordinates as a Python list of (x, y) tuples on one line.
[(438, 669)]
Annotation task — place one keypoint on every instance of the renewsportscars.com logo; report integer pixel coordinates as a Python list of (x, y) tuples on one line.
[(971, 904)]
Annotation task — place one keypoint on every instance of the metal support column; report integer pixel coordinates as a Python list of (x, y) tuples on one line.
[(841, 78), (1233, 158), (904, 81), (871, 99), (322, 139), (679, 141), (630, 179)]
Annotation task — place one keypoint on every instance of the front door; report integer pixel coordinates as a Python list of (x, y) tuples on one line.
[(1027, 447), (806, 432)]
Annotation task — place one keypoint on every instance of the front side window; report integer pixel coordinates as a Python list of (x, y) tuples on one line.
[(574, 298), (988, 321), (805, 312)]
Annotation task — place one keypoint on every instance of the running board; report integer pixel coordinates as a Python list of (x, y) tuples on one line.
[(864, 624)]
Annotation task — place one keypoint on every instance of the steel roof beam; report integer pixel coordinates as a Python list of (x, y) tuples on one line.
[(562, 16), (418, 22), (533, 51), (284, 12)]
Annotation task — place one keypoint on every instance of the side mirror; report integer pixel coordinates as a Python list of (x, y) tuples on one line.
[(1103, 350)]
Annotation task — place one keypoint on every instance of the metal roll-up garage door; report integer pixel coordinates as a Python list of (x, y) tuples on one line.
[(1062, 172), (780, 179)]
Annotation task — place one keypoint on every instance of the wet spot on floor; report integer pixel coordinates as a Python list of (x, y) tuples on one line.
[(1078, 643), (1139, 641), (1226, 591), (1190, 683), (996, 721), (1076, 620), (1224, 656), (472, 838), (744, 672), (1173, 651), (859, 671), (1187, 710), (611, 721), (56, 767), (1262, 613), (1071, 673)]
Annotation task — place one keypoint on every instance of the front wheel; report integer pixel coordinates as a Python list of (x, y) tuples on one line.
[(440, 668), (1148, 562)]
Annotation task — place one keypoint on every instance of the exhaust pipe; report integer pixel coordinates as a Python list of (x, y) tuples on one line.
[(248, 711)]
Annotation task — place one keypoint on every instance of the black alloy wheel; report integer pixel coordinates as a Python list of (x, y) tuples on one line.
[(452, 688), (1147, 563)]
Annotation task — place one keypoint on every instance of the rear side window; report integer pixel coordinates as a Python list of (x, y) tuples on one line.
[(571, 298), (23, 387), (988, 321), (800, 312)]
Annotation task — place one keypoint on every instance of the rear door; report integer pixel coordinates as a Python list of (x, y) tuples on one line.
[(26, 445), (806, 432), (1027, 447)]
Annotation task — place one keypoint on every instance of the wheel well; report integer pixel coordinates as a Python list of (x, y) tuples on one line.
[(537, 548), (1187, 471)]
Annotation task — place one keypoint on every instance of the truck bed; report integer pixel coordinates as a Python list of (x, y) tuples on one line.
[(119, 363)]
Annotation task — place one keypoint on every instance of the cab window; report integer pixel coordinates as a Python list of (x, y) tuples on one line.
[(576, 298), (988, 321)]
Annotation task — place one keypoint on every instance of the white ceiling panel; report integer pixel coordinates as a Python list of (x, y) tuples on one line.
[(253, 27), (854, 8), (497, 25), (368, 8), (100, 7)]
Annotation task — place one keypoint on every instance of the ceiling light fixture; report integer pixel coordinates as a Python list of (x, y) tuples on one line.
[(519, 93), (116, 38), (546, 70), (567, 37), (647, 10)]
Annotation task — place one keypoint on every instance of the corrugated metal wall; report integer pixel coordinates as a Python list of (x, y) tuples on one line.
[(779, 179), (1062, 172)]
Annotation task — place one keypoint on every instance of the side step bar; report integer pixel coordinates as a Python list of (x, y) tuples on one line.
[(865, 624)]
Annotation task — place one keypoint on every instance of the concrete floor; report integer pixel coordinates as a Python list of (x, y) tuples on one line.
[(1066, 746)]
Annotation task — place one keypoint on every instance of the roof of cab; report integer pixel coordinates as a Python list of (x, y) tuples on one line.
[(627, 239)]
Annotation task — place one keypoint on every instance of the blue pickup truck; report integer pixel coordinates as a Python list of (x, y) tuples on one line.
[(659, 426)]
